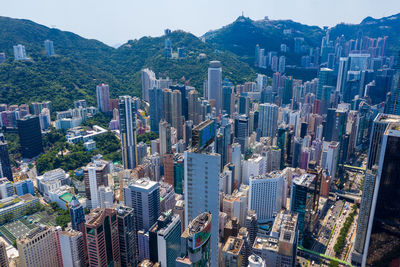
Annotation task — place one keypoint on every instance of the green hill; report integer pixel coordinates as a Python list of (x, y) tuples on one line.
[(241, 36), (80, 64)]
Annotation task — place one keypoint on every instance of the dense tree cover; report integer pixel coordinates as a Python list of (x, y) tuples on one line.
[(81, 64), (72, 156), (147, 137), (100, 119), (13, 147), (62, 216)]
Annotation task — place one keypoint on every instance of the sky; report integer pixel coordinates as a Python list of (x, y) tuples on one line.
[(116, 21)]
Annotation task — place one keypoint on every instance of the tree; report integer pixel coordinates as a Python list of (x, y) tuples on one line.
[(63, 220)]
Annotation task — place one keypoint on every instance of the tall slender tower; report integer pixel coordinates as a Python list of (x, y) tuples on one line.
[(215, 84), (201, 175), (103, 97), (127, 127)]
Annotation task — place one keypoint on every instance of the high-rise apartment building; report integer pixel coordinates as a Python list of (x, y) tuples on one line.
[(149, 81), (49, 46), (215, 84), (103, 97), (268, 120), (143, 196), (95, 175), (3, 255), (127, 128), (30, 136), (102, 237), (19, 52)]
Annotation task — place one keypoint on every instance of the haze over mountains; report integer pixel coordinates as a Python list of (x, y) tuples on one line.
[(81, 63)]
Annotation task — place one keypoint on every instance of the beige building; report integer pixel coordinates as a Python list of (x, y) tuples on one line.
[(34, 248), (232, 252), (3, 255)]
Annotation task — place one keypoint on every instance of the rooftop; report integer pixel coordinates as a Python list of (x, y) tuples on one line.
[(304, 180), (233, 245)]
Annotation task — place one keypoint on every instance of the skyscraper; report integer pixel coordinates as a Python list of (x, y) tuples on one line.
[(30, 136), (77, 215), (39, 248), (102, 237), (95, 175), (215, 84), (5, 164), (156, 107), (127, 235), (127, 128), (19, 52), (342, 74), (382, 240), (228, 103), (165, 138), (143, 196), (3, 255), (194, 107), (265, 195), (242, 131), (48, 45), (268, 120), (103, 97), (72, 247), (149, 81), (176, 112), (201, 174)]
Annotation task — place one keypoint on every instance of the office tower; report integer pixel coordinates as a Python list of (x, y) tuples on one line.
[(379, 126), (193, 107), (242, 131), (336, 120), (30, 136), (184, 98), (237, 162), (19, 52), (244, 105), (72, 247), (287, 93), (34, 248), (165, 138), (5, 164), (127, 128), (3, 255), (127, 235), (201, 173), (156, 107), (95, 175), (196, 243), (143, 196), (165, 239), (280, 248), (103, 97), (268, 119), (265, 195), (49, 46), (215, 84), (176, 112), (382, 240), (232, 252), (77, 214), (149, 81), (282, 64), (228, 103), (304, 200), (102, 237), (167, 105), (359, 62), (330, 157)]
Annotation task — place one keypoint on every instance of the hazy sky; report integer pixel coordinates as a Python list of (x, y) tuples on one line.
[(115, 21)]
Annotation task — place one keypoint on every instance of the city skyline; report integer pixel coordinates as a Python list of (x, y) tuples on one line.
[(136, 20)]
